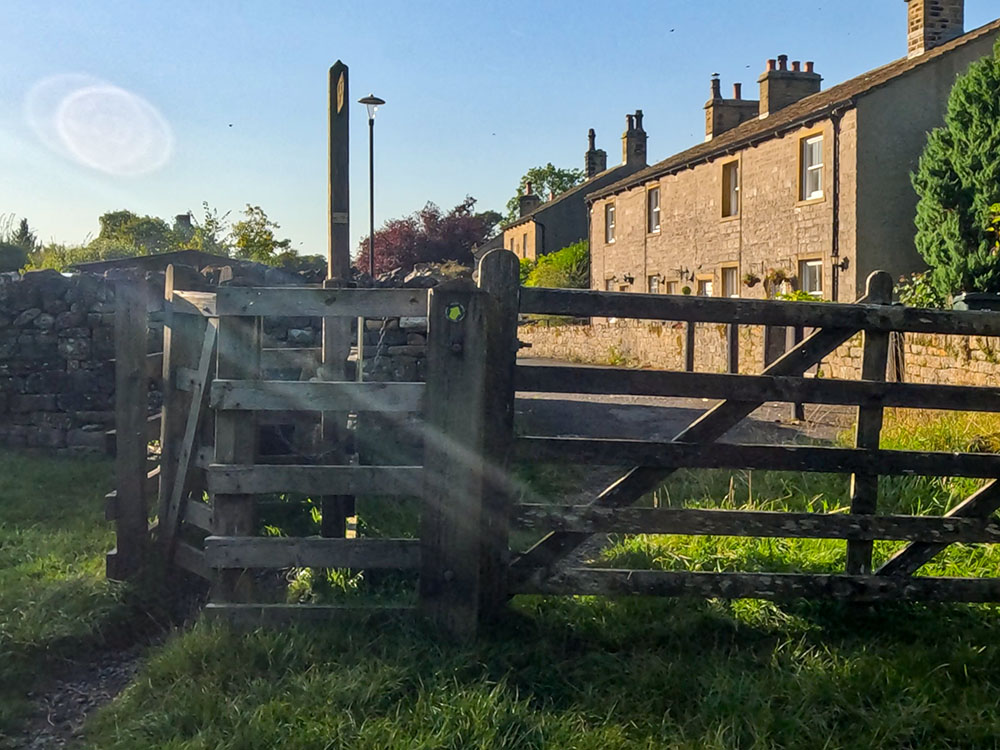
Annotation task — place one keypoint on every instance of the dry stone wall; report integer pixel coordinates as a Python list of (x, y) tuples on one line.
[(933, 359)]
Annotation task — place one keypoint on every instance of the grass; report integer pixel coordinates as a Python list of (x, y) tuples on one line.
[(579, 673), (54, 599)]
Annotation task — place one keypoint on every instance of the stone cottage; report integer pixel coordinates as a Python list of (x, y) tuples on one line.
[(546, 226), (805, 183)]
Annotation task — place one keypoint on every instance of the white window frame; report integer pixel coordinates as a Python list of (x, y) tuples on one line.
[(811, 170), (707, 284), (672, 287), (734, 289), (609, 222), (731, 192), (653, 212), (816, 264), (653, 284)]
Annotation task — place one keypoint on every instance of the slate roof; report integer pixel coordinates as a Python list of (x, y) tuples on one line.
[(793, 116), (576, 190)]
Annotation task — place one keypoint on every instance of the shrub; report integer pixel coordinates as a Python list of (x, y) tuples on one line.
[(958, 181), (568, 268), (527, 266)]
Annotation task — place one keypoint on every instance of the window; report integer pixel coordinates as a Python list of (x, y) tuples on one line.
[(705, 287), (524, 244), (812, 168), (609, 284), (731, 189), (730, 282), (811, 277), (653, 284), (671, 287), (609, 222), (653, 210), (512, 244)]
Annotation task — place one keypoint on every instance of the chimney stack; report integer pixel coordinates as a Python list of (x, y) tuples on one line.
[(931, 23), (780, 86), (596, 159), (725, 114), (634, 140), (527, 202)]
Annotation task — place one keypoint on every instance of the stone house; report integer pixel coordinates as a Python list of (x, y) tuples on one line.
[(546, 226), (809, 183)]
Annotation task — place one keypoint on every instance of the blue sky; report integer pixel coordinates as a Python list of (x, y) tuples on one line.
[(476, 93)]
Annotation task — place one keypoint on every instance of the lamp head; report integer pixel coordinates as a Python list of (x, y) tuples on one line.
[(373, 103)]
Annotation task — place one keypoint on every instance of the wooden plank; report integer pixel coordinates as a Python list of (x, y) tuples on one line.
[(171, 513), (312, 552), (774, 586), (316, 302), (703, 522), (186, 379), (499, 276), (198, 514), (980, 504), (689, 338), (315, 480), (732, 348), (191, 559), (865, 316), (709, 427), (277, 615), (235, 443), (455, 465), (621, 381), (290, 359), (772, 457), (153, 427), (184, 302), (864, 485), (131, 396), (154, 366), (281, 395)]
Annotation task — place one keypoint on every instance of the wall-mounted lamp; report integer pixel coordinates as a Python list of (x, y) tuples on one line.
[(682, 273), (844, 264), (628, 278)]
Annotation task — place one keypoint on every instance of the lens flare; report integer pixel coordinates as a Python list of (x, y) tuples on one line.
[(99, 125)]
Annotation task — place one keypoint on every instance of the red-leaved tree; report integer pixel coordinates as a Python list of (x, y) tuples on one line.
[(429, 236)]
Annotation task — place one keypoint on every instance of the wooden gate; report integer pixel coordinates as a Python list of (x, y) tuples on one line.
[(541, 570)]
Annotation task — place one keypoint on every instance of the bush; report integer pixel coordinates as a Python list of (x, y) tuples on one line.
[(568, 268), (12, 257), (958, 182), (527, 266), (918, 291)]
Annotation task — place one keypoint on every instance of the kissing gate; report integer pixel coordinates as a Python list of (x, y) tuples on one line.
[(215, 396)]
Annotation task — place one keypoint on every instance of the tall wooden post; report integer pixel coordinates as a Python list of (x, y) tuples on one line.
[(337, 331), (455, 455), (733, 348), (131, 404), (864, 487), (689, 338), (499, 276)]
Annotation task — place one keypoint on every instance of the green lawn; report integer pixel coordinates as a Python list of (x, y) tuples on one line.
[(54, 601), (592, 673)]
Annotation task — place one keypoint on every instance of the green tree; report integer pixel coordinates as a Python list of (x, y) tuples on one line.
[(545, 181), (211, 234), (958, 181), (24, 238), (253, 238), (568, 268), (134, 235)]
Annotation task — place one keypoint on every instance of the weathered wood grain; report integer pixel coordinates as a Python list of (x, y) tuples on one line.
[(281, 395), (774, 586), (317, 302), (185, 302), (312, 552)]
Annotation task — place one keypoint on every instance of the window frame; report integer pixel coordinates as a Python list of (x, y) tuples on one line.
[(728, 212), (609, 222), (709, 281), (805, 168), (672, 286), (652, 228), (653, 280), (814, 263), (735, 270)]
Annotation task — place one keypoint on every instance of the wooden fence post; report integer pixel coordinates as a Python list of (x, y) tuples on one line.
[(336, 348), (131, 406), (499, 275), (733, 348), (455, 463), (689, 335), (864, 487), (235, 443), (182, 343)]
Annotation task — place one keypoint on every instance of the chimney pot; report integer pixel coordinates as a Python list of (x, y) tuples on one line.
[(796, 66), (737, 91), (810, 65), (782, 62), (629, 122), (527, 188), (772, 65), (716, 86), (638, 119), (591, 139)]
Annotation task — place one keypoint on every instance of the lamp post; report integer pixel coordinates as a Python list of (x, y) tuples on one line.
[(372, 102)]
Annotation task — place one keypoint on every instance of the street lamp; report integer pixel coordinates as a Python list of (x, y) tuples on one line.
[(372, 102)]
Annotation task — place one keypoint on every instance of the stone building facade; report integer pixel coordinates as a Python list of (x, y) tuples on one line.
[(546, 226), (804, 184)]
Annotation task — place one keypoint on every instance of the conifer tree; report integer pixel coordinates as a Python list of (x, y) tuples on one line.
[(958, 181)]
